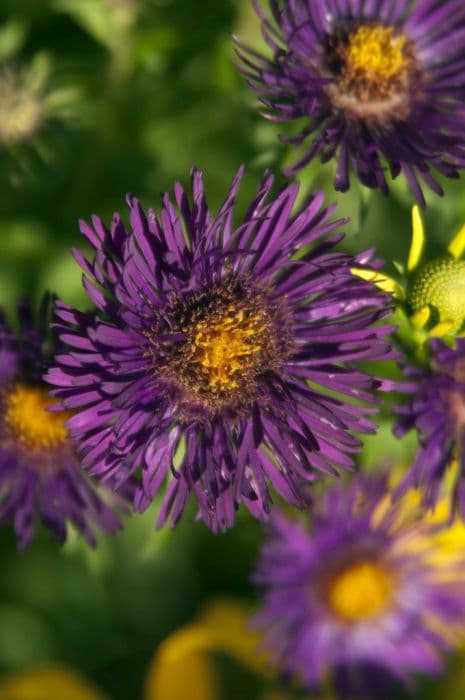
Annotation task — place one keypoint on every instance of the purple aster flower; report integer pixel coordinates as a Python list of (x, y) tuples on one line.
[(436, 409), (40, 476), (377, 83), (208, 360), (367, 585)]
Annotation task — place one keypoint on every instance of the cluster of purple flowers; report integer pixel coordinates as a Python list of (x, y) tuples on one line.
[(226, 360)]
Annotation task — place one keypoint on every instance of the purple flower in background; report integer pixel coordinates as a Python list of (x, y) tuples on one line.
[(366, 588), (436, 409), (40, 475), (196, 367), (377, 83)]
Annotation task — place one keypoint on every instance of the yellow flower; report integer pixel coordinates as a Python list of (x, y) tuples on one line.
[(182, 665), (435, 290), (432, 292), (47, 683)]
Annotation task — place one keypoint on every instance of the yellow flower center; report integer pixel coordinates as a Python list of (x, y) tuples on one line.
[(27, 417), (228, 344), (375, 53), (227, 348), (440, 284), (360, 591), (374, 67)]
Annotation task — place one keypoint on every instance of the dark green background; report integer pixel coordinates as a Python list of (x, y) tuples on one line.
[(156, 95)]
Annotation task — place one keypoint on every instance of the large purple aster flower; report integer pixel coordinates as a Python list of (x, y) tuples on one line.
[(366, 588), (436, 409), (378, 84), (40, 476), (208, 360)]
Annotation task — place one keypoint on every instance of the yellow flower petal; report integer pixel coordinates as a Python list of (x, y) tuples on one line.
[(229, 620), (418, 239), (457, 245), (47, 683), (381, 280), (441, 329), (420, 318), (221, 627), (173, 677)]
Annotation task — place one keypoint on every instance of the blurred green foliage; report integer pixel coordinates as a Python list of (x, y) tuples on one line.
[(137, 91)]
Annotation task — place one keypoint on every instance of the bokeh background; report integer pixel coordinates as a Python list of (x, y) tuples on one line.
[(125, 96)]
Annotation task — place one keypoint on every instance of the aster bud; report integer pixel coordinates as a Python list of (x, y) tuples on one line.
[(440, 285)]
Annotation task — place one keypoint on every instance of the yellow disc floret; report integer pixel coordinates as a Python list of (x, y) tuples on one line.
[(440, 284), (227, 347), (27, 418), (375, 73), (375, 53), (360, 591), (231, 338)]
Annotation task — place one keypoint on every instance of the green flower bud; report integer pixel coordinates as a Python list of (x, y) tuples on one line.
[(440, 285)]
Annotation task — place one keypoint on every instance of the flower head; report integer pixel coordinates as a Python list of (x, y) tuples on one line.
[(29, 100), (435, 407), (435, 291), (40, 476), (378, 83), (367, 584), (21, 108), (430, 293), (208, 362)]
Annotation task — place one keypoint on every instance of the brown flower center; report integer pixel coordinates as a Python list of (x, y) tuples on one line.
[(230, 340), (374, 66), (375, 60), (228, 346)]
